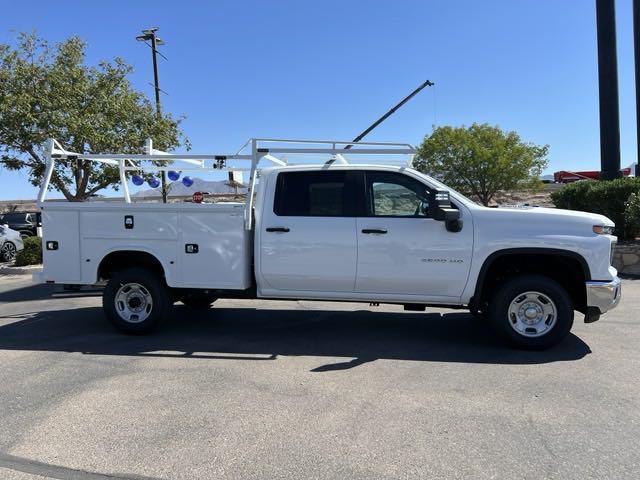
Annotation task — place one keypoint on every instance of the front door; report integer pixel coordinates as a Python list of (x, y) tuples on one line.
[(400, 249), (308, 238)]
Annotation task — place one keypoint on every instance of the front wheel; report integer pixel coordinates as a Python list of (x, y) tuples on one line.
[(136, 300), (532, 312)]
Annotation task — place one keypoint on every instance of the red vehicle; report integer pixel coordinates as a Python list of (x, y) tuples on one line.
[(564, 176)]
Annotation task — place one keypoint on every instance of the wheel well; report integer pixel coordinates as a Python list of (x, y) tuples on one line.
[(569, 270), (117, 261)]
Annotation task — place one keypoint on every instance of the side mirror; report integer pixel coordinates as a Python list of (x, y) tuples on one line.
[(440, 209)]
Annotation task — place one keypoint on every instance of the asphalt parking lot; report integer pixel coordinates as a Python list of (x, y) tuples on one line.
[(253, 389)]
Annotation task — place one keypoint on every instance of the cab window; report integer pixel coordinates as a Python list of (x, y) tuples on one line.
[(315, 194)]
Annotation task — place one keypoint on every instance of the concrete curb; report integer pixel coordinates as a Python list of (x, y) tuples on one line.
[(28, 270)]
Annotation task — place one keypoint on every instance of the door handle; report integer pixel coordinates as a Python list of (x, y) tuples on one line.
[(277, 229), (378, 231)]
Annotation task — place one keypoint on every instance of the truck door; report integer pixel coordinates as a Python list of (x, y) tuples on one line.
[(403, 251), (308, 239)]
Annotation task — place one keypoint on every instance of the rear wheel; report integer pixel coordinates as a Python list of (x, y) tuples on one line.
[(531, 312), (136, 300)]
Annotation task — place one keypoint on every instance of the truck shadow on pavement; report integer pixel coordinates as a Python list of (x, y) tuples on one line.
[(28, 293), (264, 334)]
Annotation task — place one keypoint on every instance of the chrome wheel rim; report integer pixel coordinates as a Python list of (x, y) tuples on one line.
[(133, 303), (532, 314), (8, 251)]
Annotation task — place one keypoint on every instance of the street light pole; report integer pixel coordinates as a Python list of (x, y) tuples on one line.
[(426, 83), (608, 87), (150, 35)]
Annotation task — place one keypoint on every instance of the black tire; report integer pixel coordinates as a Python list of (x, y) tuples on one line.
[(197, 300), (513, 290), (152, 285), (8, 251)]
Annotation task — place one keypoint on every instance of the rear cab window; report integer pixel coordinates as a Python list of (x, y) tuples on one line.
[(317, 194)]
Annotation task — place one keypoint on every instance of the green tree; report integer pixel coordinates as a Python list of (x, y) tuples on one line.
[(481, 160), (49, 92)]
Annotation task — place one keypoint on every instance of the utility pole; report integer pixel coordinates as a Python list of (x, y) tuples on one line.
[(149, 35), (608, 86), (636, 44)]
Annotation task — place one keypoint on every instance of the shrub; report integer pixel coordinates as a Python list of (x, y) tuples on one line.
[(632, 213), (32, 253), (608, 198)]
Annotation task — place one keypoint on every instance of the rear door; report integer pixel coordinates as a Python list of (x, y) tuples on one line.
[(401, 250), (308, 232)]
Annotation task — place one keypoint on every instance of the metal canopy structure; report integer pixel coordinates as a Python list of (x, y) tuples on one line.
[(274, 150)]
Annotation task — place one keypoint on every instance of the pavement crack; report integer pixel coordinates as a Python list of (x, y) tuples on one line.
[(35, 467), (550, 468)]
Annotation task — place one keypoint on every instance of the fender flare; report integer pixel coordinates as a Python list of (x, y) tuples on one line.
[(486, 265), (134, 249)]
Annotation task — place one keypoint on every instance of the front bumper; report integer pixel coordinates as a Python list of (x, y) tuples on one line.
[(603, 296)]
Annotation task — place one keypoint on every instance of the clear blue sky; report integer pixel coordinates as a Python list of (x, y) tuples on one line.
[(239, 69)]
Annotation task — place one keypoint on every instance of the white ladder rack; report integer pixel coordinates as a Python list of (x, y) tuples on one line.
[(260, 149)]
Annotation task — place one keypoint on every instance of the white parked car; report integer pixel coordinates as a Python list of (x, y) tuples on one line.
[(333, 231), (10, 243)]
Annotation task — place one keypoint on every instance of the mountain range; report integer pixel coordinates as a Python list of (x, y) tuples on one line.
[(177, 188)]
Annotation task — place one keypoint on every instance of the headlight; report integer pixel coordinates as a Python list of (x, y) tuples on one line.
[(602, 230)]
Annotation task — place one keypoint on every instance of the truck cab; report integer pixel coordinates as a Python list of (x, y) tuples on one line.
[(350, 232)]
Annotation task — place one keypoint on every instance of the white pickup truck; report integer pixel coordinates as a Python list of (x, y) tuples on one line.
[(338, 230)]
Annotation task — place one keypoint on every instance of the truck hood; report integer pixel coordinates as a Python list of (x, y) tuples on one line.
[(542, 220), (561, 214)]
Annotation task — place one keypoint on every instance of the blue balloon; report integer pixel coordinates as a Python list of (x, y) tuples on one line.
[(173, 176), (137, 180), (154, 182), (187, 181)]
